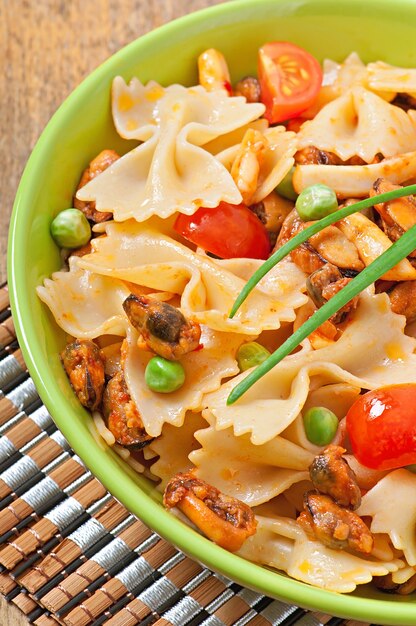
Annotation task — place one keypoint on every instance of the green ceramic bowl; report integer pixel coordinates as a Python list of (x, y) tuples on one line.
[(376, 29)]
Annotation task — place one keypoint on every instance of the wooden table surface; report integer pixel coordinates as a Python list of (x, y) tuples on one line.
[(46, 48)]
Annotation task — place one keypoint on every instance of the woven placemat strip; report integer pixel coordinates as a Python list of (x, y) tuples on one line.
[(71, 554)]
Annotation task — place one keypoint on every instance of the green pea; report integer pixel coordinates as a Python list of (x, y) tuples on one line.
[(71, 229), (285, 187), (316, 202), (320, 425), (164, 376), (251, 354)]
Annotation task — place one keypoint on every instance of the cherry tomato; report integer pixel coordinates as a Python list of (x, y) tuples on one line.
[(229, 231), (381, 426), (295, 124), (290, 79)]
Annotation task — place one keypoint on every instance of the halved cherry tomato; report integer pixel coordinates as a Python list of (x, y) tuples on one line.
[(295, 124), (290, 79), (381, 426), (229, 231)]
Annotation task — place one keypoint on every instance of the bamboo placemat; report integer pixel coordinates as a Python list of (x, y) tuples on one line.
[(71, 554)]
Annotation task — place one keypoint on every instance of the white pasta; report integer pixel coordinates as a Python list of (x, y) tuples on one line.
[(366, 355), (102, 429), (394, 493), (198, 148), (253, 474), (338, 78), (360, 123), (170, 171), (204, 370), (337, 397), (174, 446), (144, 256), (281, 543), (390, 78), (85, 305)]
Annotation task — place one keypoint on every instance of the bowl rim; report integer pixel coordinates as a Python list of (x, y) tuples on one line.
[(255, 576)]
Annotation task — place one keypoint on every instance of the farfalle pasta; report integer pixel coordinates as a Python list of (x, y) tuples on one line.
[(142, 255), (180, 224), (170, 171), (359, 123), (366, 355)]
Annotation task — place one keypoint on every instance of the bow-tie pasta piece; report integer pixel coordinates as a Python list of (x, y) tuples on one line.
[(204, 370), (335, 570), (338, 398), (391, 78), (170, 171), (366, 356), (253, 474), (84, 304), (360, 123), (267, 546), (340, 77), (135, 253), (281, 543), (395, 492), (174, 446)]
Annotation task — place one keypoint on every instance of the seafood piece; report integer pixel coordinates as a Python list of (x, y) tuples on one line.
[(84, 365), (96, 167), (304, 256), (331, 474), (405, 101), (319, 281), (164, 329), (330, 244), (335, 527), (82, 251), (397, 216), (249, 88), (323, 284), (403, 299), (225, 520), (213, 71), (314, 156), (272, 211), (323, 336), (371, 242), (246, 166), (356, 181), (121, 415), (386, 583), (334, 246)]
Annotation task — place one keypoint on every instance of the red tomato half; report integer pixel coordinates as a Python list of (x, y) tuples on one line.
[(381, 426), (290, 79), (229, 231)]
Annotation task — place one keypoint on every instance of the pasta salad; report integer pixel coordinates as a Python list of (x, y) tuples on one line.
[(306, 472)]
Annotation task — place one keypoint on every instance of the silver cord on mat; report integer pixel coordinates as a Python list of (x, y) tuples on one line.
[(87, 534), (65, 513), (19, 472), (38, 496), (138, 570), (10, 369), (23, 395)]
